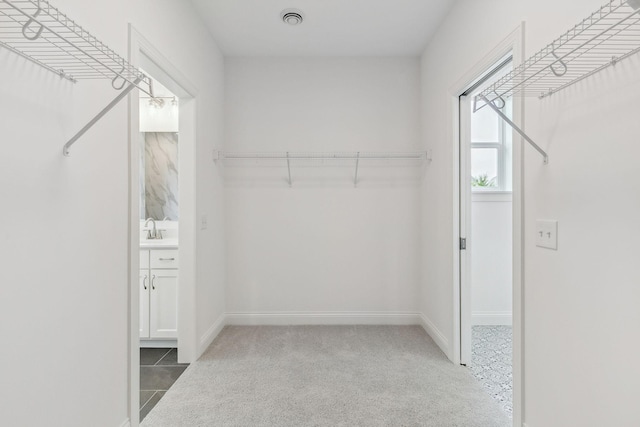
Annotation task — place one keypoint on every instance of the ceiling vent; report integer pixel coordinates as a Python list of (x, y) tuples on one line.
[(292, 16)]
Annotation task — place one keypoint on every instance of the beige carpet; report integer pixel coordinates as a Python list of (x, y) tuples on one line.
[(325, 376)]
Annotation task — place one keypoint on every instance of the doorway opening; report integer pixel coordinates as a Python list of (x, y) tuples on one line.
[(159, 243), (511, 47), (162, 229), (486, 264)]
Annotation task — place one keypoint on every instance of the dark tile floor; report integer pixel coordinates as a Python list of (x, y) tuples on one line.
[(159, 369)]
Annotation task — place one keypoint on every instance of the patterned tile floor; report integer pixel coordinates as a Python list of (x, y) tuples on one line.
[(491, 362)]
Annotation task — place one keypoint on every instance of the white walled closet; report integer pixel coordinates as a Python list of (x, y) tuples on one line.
[(320, 251)]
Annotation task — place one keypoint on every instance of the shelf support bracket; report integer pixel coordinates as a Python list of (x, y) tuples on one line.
[(117, 99), (515, 127), (355, 180), (289, 169)]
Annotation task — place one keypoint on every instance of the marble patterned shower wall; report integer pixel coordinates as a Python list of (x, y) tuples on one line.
[(161, 175)]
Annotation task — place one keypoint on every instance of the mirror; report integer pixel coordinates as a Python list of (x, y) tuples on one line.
[(159, 180), (159, 190)]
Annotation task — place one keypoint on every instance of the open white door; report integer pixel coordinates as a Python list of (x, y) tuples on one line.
[(465, 229)]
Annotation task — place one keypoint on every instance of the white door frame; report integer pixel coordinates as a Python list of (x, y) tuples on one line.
[(466, 103), (514, 44), (143, 54)]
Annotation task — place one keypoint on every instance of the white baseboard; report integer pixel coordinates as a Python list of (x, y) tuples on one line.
[(323, 318), (435, 334), (126, 423), (211, 334), (158, 343), (492, 318)]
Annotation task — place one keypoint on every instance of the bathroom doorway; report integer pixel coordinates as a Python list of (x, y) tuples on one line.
[(507, 53), (162, 229), (159, 243), (486, 175)]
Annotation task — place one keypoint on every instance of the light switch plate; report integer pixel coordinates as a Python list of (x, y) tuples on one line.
[(547, 234), (203, 222)]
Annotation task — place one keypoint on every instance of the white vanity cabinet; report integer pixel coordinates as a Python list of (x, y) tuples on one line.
[(158, 294)]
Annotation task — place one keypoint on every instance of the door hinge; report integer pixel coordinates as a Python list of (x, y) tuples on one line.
[(463, 244)]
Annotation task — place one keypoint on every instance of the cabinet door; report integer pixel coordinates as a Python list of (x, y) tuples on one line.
[(145, 285), (164, 304)]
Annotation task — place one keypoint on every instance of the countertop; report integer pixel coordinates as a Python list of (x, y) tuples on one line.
[(159, 244)]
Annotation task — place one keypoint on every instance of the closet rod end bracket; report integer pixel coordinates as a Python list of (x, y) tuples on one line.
[(428, 155)]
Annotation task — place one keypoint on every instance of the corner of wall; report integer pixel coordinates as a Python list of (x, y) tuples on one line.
[(210, 335), (435, 334)]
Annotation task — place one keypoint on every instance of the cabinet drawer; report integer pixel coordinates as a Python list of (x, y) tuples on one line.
[(144, 259), (164, 258)]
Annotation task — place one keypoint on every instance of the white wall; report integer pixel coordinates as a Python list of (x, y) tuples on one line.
[(322, 246), (580, 301), (64, 297), (491, 260)]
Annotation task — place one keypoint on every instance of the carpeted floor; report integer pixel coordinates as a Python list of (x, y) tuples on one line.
[(325, 376), (492, 363)]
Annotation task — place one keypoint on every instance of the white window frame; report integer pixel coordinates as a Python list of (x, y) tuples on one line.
[(501, 178)]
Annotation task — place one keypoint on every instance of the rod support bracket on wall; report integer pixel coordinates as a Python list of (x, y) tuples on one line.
[(105, 110), (514, 126), (289, 170), (428, 155), (355, 179)]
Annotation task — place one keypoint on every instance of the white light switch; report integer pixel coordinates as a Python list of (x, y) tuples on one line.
[(203, 222), (547, 234)]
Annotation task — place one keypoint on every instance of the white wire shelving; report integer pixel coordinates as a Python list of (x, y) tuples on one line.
[(343, 158), (606, 37), (40, 33)]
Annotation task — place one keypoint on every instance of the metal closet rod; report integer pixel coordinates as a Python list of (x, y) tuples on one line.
[(324, 156)]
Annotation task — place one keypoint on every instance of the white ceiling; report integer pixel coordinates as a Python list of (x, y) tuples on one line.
[(330, 28)]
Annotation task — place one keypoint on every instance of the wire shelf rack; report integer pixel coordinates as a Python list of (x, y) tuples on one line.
[(342, 158), (40, 33), (324, 156), (607, 36)]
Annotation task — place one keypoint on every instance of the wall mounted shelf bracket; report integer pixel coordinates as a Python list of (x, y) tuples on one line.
[(105, 110), (491, 104)]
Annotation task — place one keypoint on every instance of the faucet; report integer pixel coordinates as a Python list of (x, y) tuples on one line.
[(151, 233)]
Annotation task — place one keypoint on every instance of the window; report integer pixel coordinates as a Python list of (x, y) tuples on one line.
[(491, 144)]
